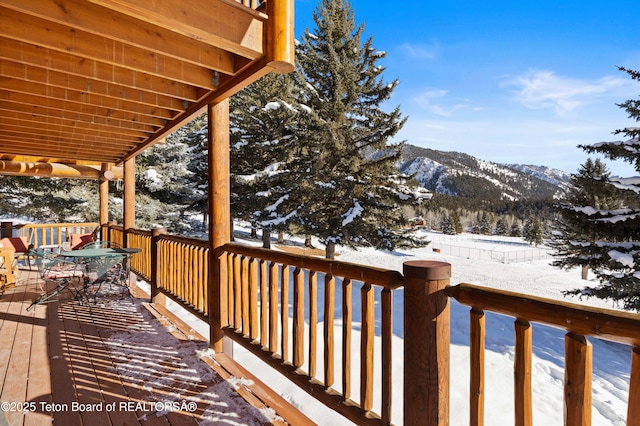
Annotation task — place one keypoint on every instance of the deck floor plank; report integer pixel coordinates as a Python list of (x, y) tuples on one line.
[(65, 353)]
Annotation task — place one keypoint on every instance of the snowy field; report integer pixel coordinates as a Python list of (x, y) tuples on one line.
[(611, 361)]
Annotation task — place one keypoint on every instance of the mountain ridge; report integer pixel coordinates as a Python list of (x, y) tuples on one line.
[(463, 175)]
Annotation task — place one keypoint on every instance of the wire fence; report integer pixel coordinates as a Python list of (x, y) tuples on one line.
[(479, 248)]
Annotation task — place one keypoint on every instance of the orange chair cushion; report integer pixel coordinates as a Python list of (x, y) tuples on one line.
[(78, 240), (19, 244)]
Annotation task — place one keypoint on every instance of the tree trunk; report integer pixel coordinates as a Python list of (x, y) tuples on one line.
[(254, 232), (585, 272), (307, 242), (280, 237), (330, 251), (266, 239)]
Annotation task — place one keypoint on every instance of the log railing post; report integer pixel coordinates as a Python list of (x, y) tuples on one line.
[(6, 229), (156, 296), (426, 342)]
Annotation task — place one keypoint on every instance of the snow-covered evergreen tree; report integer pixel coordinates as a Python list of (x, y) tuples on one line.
[(446, 226), (574, 233), (348, 192), (501, 227), (617, 250), (264, 123), (165, 184), (532, 231)]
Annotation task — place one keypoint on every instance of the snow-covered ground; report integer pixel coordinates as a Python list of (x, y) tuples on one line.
[(611, 361)]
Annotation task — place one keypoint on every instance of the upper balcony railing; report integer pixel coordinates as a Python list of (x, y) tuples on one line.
[(271, 303)]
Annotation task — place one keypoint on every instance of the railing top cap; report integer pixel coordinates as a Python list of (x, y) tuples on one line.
[(428, 270)]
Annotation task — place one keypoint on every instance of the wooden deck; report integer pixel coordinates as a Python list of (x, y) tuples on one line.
[(114, 363)]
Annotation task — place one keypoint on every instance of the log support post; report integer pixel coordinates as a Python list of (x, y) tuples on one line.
[(6, 229), (129, 202), (426, 343), (220, 217), (103, 190)]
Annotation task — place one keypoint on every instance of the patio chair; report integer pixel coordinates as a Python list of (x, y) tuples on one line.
[(8, 268), (20, 246), (55, 269)]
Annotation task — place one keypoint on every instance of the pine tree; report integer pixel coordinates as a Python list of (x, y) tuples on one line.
[(616, 253), (501, 227), (446, 226), (573, 233), (264, 118), (164, 183), (532, 231), (348, 190)]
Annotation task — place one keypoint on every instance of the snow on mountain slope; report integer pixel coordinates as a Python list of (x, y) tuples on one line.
[(463, 175)]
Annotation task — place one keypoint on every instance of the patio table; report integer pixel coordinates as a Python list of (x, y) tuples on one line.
[(107, 265)]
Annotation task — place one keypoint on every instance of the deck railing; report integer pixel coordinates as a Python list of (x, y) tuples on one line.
[(272, 302), (579, 321), (50, 234), (273, 295)]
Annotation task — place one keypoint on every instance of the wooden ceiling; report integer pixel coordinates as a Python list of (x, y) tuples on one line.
[(99, 81)]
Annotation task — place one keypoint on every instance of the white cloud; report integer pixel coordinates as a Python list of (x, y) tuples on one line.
[(437, 102), (543, 89), (421, 51)]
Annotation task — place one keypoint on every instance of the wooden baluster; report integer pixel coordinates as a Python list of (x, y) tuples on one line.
[(633, 405), (253, 299), (578, 354), (205, 280), (284, 311), (366, 347), (237, 292), (476, 386), (522, 374), (245, 295), (298, 317), (329, 310), (347, 319), (313, 322), (230, 291), (387, 351), (273, 307), (264, 304)]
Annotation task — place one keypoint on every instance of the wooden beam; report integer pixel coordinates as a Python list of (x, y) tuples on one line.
[(86, 68), (75, 107), (30, 74), (41, 169), (117, 26), (26, 28), (28, 120), (226, 24), (225, 90), (46, 149), (84, 98), (76, 119)]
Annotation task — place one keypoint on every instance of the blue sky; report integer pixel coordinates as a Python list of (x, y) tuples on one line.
[(506, 81)]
